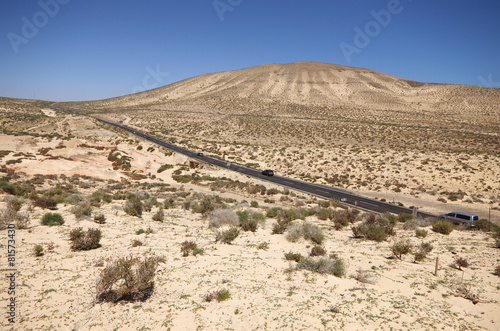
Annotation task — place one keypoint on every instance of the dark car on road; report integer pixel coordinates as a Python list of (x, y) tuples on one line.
[(268, 172), (460, 217), (199, 154)]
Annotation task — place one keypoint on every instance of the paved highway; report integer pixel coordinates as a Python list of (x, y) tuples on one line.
[(314, 189)]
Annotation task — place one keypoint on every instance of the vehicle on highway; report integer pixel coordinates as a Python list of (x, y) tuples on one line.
[(268, 172), (460, 217), (200, 154)]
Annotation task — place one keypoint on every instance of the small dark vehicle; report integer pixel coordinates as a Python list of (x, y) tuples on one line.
[(200, 154), (268, 172)]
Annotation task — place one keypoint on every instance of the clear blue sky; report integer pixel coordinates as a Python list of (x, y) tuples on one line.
[(94, 49)]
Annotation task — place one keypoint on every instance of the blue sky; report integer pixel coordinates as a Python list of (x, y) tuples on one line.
[(88, 49)]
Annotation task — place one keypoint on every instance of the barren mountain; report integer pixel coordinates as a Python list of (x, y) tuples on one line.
[(311, 84)]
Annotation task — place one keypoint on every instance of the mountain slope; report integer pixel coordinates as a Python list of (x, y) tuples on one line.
[(308, 84)]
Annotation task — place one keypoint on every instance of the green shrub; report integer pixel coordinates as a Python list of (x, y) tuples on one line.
[(376, 233), (127, 278), (38, 250), (400, 248), (164, 167), (140, 231), (443, 226), (497, 270), (52, 219), (325, 213), (14, 203), (254, 204), (403, 217), (228, 236), (273, 212), (421, 233), (323, 265), (83, 241), (263, 245)]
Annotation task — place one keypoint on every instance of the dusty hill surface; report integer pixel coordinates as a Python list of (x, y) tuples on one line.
[(312, 84)]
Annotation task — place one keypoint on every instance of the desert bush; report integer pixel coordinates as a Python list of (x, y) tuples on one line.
[(318, 250), (187, 247), (169, 202), (263, 245), (9, 215), (421, 233), (159, 216), (100, 218), (219, 295), (83, 241), (443, 226), (313, 233), (364, 276), (323, 265), (423, 250), (52, 219), (136, 243), (227, 236), (82, 209), (404, 217), (291, 256), (254, 204), (400, 248), (127, 278), (465, 291), (222, 217), (415, 223), (14, 202), (45, 202), (460, 263), (376, 233), (325, 213), (374, 228), (133, 206), (295, 232), (345, 217), (273, 212), (38, 250), (497, 270)]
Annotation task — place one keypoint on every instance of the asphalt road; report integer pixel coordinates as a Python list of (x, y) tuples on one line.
[(314, 189)]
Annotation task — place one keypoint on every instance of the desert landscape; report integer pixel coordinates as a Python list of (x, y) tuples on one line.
[(113, 232)]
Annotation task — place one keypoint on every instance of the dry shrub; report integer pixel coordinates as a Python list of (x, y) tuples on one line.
[(415, 223), (291, 256), (11, 215), (219, 295), (82, 241), (133, 206), (100, 219), (127, 278), (222, 217), (307, 230), (497, 270), (82, 209), (318, 250), (423, 250), (460, 263), (365, 276)]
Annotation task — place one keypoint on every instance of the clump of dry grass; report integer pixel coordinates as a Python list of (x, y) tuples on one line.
[(365, 276), (127, 278)]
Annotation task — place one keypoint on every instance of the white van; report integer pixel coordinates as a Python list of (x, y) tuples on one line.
[(458, 217)]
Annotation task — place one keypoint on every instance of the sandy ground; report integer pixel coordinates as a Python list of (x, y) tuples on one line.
[(57, 290)]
